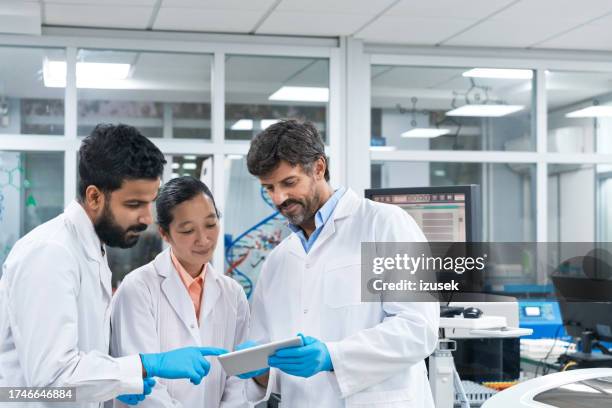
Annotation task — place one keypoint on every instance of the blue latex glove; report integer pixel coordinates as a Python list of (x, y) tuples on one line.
[(305, 361), (188, 362), (133, 399), (248, 344)]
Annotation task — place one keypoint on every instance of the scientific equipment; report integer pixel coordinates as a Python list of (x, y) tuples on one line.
[(587, 388), (544, 317), (445, 214), (587, 314), (479, 349)]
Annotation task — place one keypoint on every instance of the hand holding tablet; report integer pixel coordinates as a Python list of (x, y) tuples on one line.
[(255, 358)]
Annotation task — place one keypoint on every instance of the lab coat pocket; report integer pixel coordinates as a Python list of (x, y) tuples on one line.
[(343, 285), (381, 399)]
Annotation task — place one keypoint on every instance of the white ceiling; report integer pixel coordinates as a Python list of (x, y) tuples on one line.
[(553, 24), (541, 24)]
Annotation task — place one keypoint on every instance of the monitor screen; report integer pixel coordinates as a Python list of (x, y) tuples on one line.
[(441, 215)]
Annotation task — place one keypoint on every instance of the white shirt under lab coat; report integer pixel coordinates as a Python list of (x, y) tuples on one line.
[(377, 349), (152, 312), (55, 298)]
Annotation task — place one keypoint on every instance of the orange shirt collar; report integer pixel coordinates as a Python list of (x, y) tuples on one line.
[(194, 286)]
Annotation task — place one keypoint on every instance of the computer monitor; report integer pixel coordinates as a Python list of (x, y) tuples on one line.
[(586, 305), (586, 310), (445, 214)]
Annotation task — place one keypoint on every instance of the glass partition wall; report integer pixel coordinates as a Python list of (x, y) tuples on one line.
[(533, 132)]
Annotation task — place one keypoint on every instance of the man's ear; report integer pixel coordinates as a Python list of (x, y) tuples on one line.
[(94, 198), (319, 168)]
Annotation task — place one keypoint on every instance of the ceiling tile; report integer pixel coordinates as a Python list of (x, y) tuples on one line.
[(302, 23), (189, 19), (550, 10), (421, 31), (465, 9), (509, 33), (20, 17), (336, 6), (150, 3), (595, 36), (220, 4), (97, 16)]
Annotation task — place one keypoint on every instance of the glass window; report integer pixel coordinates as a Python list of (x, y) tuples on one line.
[(162, 94), (507, 191), (31, 192), (579, 203), (253, 227), (123, 261), (32, 85), (262, 90), (579, 112), (424, 108)]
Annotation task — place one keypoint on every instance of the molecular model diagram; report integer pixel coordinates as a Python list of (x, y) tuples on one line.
[(11, 178), (245, 254)]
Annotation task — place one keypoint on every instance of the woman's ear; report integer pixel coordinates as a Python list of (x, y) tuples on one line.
[(165, 235)]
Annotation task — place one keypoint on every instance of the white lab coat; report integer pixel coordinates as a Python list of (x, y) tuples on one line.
[(55, 297), (377, 349), (152, 312)]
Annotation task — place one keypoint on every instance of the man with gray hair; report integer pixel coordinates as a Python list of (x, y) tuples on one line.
[(354, 353)]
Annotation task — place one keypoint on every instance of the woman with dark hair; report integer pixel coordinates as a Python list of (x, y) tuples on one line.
[(180, 300)]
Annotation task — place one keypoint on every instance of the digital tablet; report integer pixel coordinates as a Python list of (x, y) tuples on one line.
[(254, 358)]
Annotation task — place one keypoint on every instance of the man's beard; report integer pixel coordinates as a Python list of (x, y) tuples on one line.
[(309, 209), (112, 234)]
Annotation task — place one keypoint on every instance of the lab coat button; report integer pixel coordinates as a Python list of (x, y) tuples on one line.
[(192, 326), (305, 311), (308, 265)]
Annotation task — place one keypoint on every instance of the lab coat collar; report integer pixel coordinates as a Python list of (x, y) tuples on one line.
[(177, 295), (86, 234), (84, 228), (348, 204), (212, 292)]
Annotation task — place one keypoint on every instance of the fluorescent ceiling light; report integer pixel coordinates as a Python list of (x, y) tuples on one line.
[(175, 165), (301, 94), (598, 111), (383, 148), (499, 73), (425, 132), (100, 75), (485, 110), (189, 157), (243, 124), (54, 74), (234, 156), (190, 166), (264, 123), (247, 124)]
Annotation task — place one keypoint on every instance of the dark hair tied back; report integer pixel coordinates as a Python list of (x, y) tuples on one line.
[(175, 192)]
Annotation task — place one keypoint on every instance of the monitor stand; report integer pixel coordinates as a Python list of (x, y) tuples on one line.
[(585, 358)]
